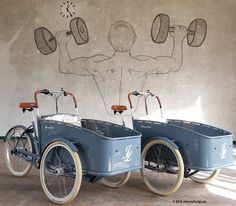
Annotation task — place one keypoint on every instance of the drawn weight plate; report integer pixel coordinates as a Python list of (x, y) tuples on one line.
[(160, 28), (79, 30), (45, 41), (198, 34)]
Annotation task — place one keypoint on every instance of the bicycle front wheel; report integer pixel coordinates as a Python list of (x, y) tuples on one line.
[(162, 167), (60, 173)]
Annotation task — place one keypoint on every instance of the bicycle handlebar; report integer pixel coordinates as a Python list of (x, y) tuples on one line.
[(43, 91), (145, 95), (56, 94), (73, 97), (135, 93)]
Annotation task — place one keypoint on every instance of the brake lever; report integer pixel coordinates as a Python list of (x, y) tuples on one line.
[(148, 91), (64, 91), (135, 93), (44, 91)]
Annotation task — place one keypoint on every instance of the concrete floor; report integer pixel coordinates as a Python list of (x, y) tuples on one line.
[(27, 191)]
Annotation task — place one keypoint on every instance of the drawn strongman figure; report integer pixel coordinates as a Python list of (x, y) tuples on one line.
[(117, 75)]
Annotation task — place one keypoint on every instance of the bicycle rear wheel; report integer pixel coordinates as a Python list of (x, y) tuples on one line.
[(204, 176), (16, 138), (116, 181)]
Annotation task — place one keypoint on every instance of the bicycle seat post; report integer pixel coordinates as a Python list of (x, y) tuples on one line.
[(123, 119), (120, 109), (30, 106), (35, 121)]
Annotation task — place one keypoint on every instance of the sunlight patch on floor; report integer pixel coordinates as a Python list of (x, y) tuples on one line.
[(224, 189), (233, 167)]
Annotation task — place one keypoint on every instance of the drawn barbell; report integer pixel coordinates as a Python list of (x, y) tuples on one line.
[(196, 34), (46, 42)]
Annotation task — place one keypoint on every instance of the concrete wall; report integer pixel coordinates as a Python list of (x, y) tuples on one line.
[(194, 83)]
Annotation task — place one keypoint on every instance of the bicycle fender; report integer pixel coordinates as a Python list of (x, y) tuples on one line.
[(66, 141), (5, 137), (171, 142)]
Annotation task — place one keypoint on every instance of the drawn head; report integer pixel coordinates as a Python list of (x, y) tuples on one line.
[(121, 36)]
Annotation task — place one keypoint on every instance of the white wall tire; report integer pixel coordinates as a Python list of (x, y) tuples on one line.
[(204, 176), (60, 173), (163, 171), (116, 181), (15, 163)]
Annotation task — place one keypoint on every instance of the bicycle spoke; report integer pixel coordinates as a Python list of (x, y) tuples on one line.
[(15, 142), (161, 169), (59, 172)]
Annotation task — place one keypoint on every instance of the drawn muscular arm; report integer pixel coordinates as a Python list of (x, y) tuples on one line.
[(83, 66), (166, 64)]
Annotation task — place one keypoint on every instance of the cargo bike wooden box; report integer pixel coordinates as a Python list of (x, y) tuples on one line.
[(66, 148)]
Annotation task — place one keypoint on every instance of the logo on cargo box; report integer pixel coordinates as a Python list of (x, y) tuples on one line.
[(128, 153), (223, 151), (49, 127)]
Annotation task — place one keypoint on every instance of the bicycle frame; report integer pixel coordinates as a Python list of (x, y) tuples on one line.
[(35, 156)]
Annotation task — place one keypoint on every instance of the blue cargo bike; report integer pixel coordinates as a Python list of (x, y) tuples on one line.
[(65, 148), (173, 149)]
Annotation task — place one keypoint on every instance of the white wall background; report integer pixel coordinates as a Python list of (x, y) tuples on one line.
[(204, 89)]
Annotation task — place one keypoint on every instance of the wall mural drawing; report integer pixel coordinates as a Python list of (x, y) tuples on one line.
[(122, 72)]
